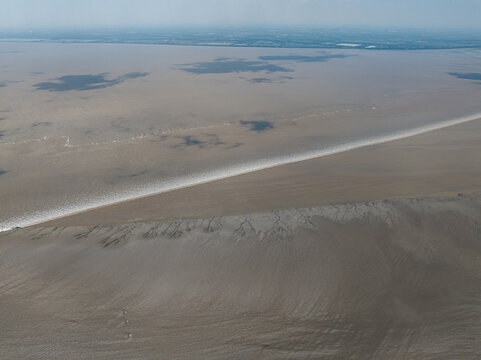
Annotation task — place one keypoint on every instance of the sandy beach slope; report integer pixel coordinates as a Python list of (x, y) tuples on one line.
[(392, 279)]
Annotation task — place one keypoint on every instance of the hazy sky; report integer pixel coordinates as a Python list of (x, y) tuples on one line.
[(26, 14)]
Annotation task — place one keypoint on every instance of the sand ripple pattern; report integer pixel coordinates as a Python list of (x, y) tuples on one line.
[(380, 280)]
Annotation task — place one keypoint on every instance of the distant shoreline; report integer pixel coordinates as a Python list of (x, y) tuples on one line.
[(367, 47), (262, 37)]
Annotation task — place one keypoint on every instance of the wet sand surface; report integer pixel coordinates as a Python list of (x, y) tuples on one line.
[(79, 122), (446, 161), (394, 279), (293, 273)]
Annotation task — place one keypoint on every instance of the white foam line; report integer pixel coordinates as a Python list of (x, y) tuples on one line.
[(230, 171)]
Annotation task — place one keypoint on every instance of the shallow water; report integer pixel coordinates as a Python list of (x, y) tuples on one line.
[(86, 124)]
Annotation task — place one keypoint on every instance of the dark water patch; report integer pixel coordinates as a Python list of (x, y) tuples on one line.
[(76, 82), (467, 76), (2, 133), (303, 58), (258, 125), (191, 141), (140, 173), (2, 172), (235, 145), (2, 118), (133, 75), (260, 80), (231, 66), (3, 85), (205, 141), (36, 73), (45, 123), (85, 82), (213, 139)]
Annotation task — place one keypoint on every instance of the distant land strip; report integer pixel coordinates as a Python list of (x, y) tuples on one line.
[(271, 37)]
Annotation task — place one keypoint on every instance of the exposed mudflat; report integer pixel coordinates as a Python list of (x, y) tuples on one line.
[(396, 279)]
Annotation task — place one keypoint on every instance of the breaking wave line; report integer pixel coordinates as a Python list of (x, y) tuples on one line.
[(98, 201)]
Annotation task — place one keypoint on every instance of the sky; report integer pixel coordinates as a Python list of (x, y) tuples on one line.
[(37, 14)]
